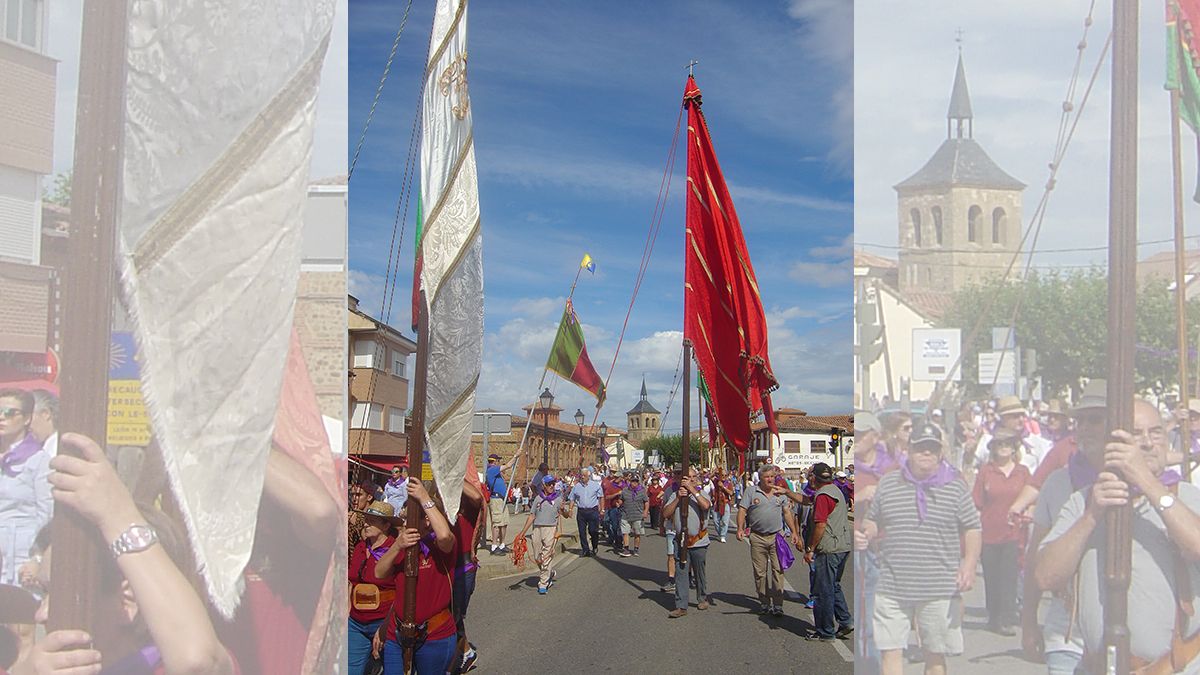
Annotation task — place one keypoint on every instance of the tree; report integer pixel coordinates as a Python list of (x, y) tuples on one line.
[(1064, 317), (670, 448), (60, 193)]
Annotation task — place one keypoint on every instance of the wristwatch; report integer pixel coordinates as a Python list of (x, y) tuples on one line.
[(136, 539), (1164, 502), (428, 505)]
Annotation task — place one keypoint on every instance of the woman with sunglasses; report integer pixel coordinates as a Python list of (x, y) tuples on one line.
[(25, 500)]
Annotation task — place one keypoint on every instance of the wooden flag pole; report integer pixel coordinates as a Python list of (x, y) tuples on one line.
[(88, 297), (685, 450), (1122, 256), (416, 446), (1185, 434)]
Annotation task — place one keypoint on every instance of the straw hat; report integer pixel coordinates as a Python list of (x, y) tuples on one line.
[(1004, 436), (1056, 407), (383, 510), (1008, 405), (1094, 397)]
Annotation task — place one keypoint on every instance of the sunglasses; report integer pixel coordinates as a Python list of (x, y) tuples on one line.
[(9, 413)]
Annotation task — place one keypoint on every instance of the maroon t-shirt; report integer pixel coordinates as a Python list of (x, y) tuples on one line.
[(1054, 460), (994, 493), (362, 571)]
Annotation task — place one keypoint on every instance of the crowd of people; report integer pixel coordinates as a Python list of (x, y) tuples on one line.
[(1020, 490), (612, 510)]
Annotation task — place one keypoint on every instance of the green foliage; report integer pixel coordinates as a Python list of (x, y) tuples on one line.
[(670, 448), (60, 193), (1064, 317)]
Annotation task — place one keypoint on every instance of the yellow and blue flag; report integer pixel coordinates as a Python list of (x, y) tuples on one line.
[(588, 264)]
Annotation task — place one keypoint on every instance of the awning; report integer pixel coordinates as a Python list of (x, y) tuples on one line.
[(380, 463)]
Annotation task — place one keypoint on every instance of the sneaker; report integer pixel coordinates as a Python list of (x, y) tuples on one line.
[(776, 611), (764, 609), (668, 587), (635, 552), (722, 540), (1006, 631), (541, 590), (676, 613), (702, 606), (813, 636), (625, 553), (810, 603), (844, 632), (551, 581), (469, 660)]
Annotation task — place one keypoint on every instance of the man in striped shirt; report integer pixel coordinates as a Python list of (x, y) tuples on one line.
[(928, 533)]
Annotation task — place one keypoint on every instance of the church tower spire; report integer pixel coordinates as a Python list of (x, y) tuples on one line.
[(960, 104)]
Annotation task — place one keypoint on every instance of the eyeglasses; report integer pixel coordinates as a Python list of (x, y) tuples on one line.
[(9, 413), (1153, 433)]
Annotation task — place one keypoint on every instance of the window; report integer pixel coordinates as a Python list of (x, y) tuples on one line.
[(367, 416), (973, 215), (998, 221), (367, 353), (399, 360), (816, 446), (937, 225), (791, 446), (395, 420), (23, 22), (915, 216), (653, 423)]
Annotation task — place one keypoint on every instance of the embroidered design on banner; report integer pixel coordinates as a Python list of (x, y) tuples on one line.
[(453, 82)]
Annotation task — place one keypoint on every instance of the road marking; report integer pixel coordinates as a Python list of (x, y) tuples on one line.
[(839, 646)]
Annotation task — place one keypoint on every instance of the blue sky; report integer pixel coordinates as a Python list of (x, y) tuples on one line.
[(574, 108)]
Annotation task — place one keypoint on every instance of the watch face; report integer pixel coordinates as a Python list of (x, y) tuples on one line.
[(140, 537)]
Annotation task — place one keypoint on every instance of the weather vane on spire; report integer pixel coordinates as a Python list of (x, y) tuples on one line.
[(958, 37)]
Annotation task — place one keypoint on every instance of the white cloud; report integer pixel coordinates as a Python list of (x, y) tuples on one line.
[(842, 250), (539, 308), (824, 275)]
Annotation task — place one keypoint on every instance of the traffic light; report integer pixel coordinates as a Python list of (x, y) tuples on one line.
[(835, 439), (870, 332)]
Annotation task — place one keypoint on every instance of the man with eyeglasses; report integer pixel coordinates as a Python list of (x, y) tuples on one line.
[(1052, 639), (1165, 568), (929, 552), (395, 492)]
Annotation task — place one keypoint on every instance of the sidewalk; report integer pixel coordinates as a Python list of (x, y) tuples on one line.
[(494, 566)]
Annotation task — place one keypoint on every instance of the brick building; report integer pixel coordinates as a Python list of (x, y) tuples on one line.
[(27, 94), (378, 362)]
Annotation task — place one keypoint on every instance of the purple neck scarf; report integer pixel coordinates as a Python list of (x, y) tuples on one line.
[(884, 461), (549, 496), (943, 475), (425, 542), (377, 553), (18, 454), (395, 482), (635, 489), (1082, 473)]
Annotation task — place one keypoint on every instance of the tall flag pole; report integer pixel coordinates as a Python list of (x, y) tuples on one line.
[(451, 253), (724, 320), (1184, 85), (1122, 265)]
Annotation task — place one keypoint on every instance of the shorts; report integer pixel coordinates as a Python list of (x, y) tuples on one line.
[(671, 548), (634, 527), (892, 618), (498, 513)]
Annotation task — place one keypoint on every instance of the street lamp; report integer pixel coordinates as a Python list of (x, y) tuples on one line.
[(579, 419), (603, 437), (546, 400)]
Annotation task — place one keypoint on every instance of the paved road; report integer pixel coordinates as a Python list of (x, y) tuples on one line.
[(985, 652), (607, 614)]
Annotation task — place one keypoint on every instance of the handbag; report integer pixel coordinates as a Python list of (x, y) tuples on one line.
[(784, 549)]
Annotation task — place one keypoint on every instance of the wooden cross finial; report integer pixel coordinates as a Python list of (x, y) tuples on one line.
[(691, 66)]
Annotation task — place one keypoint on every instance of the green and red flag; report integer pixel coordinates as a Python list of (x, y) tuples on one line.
[(1183, 17), (569, 357)]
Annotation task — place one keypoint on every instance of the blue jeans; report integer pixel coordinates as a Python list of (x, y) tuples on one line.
[(431, 658), (461, 591), (696, 559), (588, 521), (358, 645), (1062, 662), (722, 522), (613, 522), (831, 603)]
